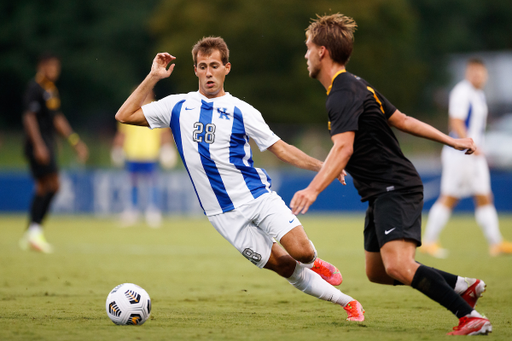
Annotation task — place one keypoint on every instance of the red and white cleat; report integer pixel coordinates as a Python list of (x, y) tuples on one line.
[(472, 326), (474, 292)]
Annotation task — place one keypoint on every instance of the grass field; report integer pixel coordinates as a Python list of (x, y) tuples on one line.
[(202, 289)]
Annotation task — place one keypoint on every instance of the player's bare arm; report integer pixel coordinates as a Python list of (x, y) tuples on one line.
[(334, 165), (294, 156), (41, 152), (459, 127), (415, 127), (64, 129), (131, 112)]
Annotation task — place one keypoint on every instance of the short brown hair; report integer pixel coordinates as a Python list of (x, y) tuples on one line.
[(336, 33), (207, 45), (475, 61), (46, 56)]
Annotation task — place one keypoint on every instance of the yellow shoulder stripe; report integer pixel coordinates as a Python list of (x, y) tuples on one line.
[(333, 78), (376, 98)]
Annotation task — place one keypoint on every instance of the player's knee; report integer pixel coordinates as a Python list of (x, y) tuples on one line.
[(50, 189), (307, 256), (448, 201), (394, 271), (54, 188), (55, 185), (285, 266), (372, 276), (377, 275), (304, 253), (48, 185)]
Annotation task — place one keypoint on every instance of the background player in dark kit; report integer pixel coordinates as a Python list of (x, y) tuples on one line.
[(41, 119)]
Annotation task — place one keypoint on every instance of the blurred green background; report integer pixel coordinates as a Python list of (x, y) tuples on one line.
[(402, 47)]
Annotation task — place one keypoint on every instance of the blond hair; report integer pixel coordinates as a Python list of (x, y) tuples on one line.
[(336, 33)]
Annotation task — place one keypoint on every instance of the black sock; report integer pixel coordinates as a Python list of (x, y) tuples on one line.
[(48, 197), (448, 277), (40, 206), (395, 283), (37, 209), (433, 285)]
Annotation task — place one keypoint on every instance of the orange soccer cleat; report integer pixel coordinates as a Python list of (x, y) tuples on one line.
[(503, 248), (327, 271), (434, 250), (354, 311)]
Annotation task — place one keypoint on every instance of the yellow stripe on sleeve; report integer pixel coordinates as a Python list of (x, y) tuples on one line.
[(376, 98)]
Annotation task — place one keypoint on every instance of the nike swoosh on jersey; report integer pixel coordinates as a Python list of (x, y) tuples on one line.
[(188, 108), (389, 231)]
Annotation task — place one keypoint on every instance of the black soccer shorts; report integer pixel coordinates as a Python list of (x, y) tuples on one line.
[(37, 169), (392, 216)]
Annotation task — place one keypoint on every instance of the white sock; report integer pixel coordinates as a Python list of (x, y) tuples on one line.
[(437, 219), (312, 284), (474, 313), (34, 228), (463, 283), (487, 217)]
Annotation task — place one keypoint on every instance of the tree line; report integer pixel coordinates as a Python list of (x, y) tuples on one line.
[(107, 47)]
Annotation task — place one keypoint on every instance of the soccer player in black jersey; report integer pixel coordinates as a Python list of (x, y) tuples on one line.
[(41, 118), (360, 121)]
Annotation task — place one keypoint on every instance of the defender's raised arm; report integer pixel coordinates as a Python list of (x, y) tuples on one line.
[(131, 112)]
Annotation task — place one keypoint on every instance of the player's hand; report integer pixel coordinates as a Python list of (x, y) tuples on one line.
[(466, 144), (41, 154), (341, 177), (159, 67), (117, 156), (302, 200), (82, 151), (168, 156)]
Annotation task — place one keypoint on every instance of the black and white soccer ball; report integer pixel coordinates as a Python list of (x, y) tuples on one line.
[(128, 304)]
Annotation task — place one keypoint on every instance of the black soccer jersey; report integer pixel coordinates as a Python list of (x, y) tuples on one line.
[(377, 164), (42, 98)]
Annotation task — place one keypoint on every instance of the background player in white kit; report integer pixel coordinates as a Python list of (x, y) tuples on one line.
[(211, 129), (466, 175)]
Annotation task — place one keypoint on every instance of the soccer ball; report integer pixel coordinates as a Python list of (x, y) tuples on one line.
[(128, 304)]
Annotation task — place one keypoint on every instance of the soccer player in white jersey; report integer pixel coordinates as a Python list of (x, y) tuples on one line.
[(464, 175), (211, 129)]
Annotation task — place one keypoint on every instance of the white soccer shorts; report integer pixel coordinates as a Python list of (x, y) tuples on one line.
[(253, 227), (464, 175)]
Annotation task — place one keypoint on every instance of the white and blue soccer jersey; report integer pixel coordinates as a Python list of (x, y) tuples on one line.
[(468, 104), (212, 138)]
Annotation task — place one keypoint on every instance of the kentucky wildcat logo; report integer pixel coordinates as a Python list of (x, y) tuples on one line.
[(223, 113)]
